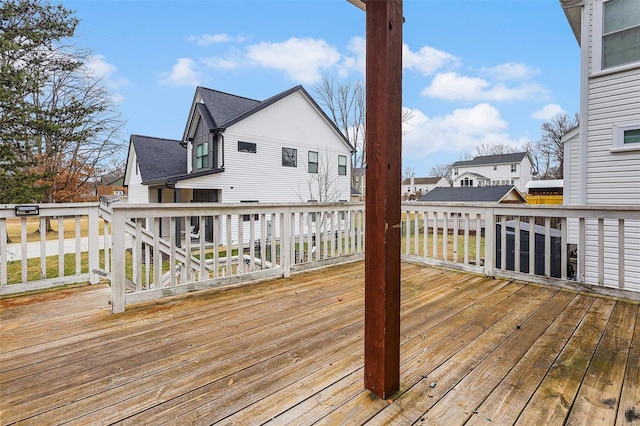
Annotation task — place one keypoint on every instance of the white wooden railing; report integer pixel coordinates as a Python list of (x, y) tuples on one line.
[(33, 260), (586, 248), (201, 246)]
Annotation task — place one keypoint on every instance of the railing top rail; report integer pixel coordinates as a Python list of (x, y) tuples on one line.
[(50, 209)]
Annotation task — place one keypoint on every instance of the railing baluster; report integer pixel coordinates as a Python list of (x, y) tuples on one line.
[(172, 251), (600, 251), (157, 258), (621, 253), (503, 241), (43, 248), (3, 252), (435, 235), (582, 233), (455, 231), (563, 248), (547, 247), (466, 240), (24, 259), (516, 245), (78, 237), (137, 256), (61, 246), (532, 245)]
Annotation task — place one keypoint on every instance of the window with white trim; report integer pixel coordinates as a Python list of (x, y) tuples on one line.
[(202, 155), (616, 34), (514, 168), (625, 137)]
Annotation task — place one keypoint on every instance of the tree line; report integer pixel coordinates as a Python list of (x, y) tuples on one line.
[(59, 126)]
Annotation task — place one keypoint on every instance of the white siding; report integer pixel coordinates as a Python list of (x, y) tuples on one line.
[(572, 181), (293, 123), (138, 193), (520, 177), (613, 98)]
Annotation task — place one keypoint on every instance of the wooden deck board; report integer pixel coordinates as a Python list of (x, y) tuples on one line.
[(289, 351)]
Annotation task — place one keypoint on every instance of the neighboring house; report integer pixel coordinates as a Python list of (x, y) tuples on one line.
[(360, 181), (415, 187), (484, 194), (235, 149), (602, 155), (493, 170), (111, 186), (356, 196)]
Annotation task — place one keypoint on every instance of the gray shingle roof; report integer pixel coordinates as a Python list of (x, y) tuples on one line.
[(515, 157), (159, 158), (224, 107), (485, 194)]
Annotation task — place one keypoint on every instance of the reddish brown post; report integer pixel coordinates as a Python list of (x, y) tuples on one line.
[(384, 152)]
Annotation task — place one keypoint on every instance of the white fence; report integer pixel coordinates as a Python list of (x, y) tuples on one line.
[(532, 243), (199, 246), (40, 260)]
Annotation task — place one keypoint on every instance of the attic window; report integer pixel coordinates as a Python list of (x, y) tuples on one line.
[(247, 147)]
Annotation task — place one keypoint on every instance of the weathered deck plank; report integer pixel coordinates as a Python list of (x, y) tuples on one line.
[(289, 351)]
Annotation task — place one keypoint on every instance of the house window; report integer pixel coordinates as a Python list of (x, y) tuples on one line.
[(313, 162), (620, 33), (631, 136), (289, 157), (625, 137), (514, 168), (342, 165), (466, 182), (202, 155), (455, 172), (247, 147), (247, 217)]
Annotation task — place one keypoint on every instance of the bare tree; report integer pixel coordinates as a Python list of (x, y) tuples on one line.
[(345, 104), (441, 170), (407, 172), (549, 150), (496, 149)]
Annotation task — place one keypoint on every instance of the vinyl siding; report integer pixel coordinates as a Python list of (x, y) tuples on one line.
[(138, 193), (293, 123), (611, 177)]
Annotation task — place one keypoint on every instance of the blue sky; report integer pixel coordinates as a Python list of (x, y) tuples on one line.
[(474, 71)]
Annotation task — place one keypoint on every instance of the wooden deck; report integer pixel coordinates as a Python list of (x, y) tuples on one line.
[(290, 351)]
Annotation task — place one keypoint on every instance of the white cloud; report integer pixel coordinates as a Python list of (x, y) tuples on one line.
[(427, 60), (183, 73), (510, 71), (355, 60), (548, 111), (220, 63), (461, 130), (454, 87), (207, 39), (302, 59), (98, 67)]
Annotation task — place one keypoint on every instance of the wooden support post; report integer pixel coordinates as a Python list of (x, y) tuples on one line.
[(382, 235)]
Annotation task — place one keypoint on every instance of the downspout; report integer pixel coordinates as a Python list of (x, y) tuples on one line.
[(583, 125), (218, 132)]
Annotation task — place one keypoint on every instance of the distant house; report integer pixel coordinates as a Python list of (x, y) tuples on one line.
[(360, 181), (239, 150), (415, 187), (493, 170), (602, 155), (111, 186), (236, 149), (483, 194)]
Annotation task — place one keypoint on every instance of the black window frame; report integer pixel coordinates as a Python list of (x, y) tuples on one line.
[(249, 147), (289, 157)]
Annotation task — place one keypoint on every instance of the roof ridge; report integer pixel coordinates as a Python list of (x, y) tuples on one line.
[(226, 93)]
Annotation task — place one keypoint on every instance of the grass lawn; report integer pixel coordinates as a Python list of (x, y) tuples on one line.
[(33, 223)]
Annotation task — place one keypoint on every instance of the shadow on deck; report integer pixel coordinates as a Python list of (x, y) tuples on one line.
[(290, 351)]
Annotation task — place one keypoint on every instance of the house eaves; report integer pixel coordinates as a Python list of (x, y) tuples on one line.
[(573, 11)]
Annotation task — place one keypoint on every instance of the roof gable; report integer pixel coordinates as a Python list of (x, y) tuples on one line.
[(515, 157)]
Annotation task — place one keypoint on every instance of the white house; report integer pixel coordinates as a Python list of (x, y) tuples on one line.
[(235, 149), (418, 186), (602, 155), (493, 170)]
